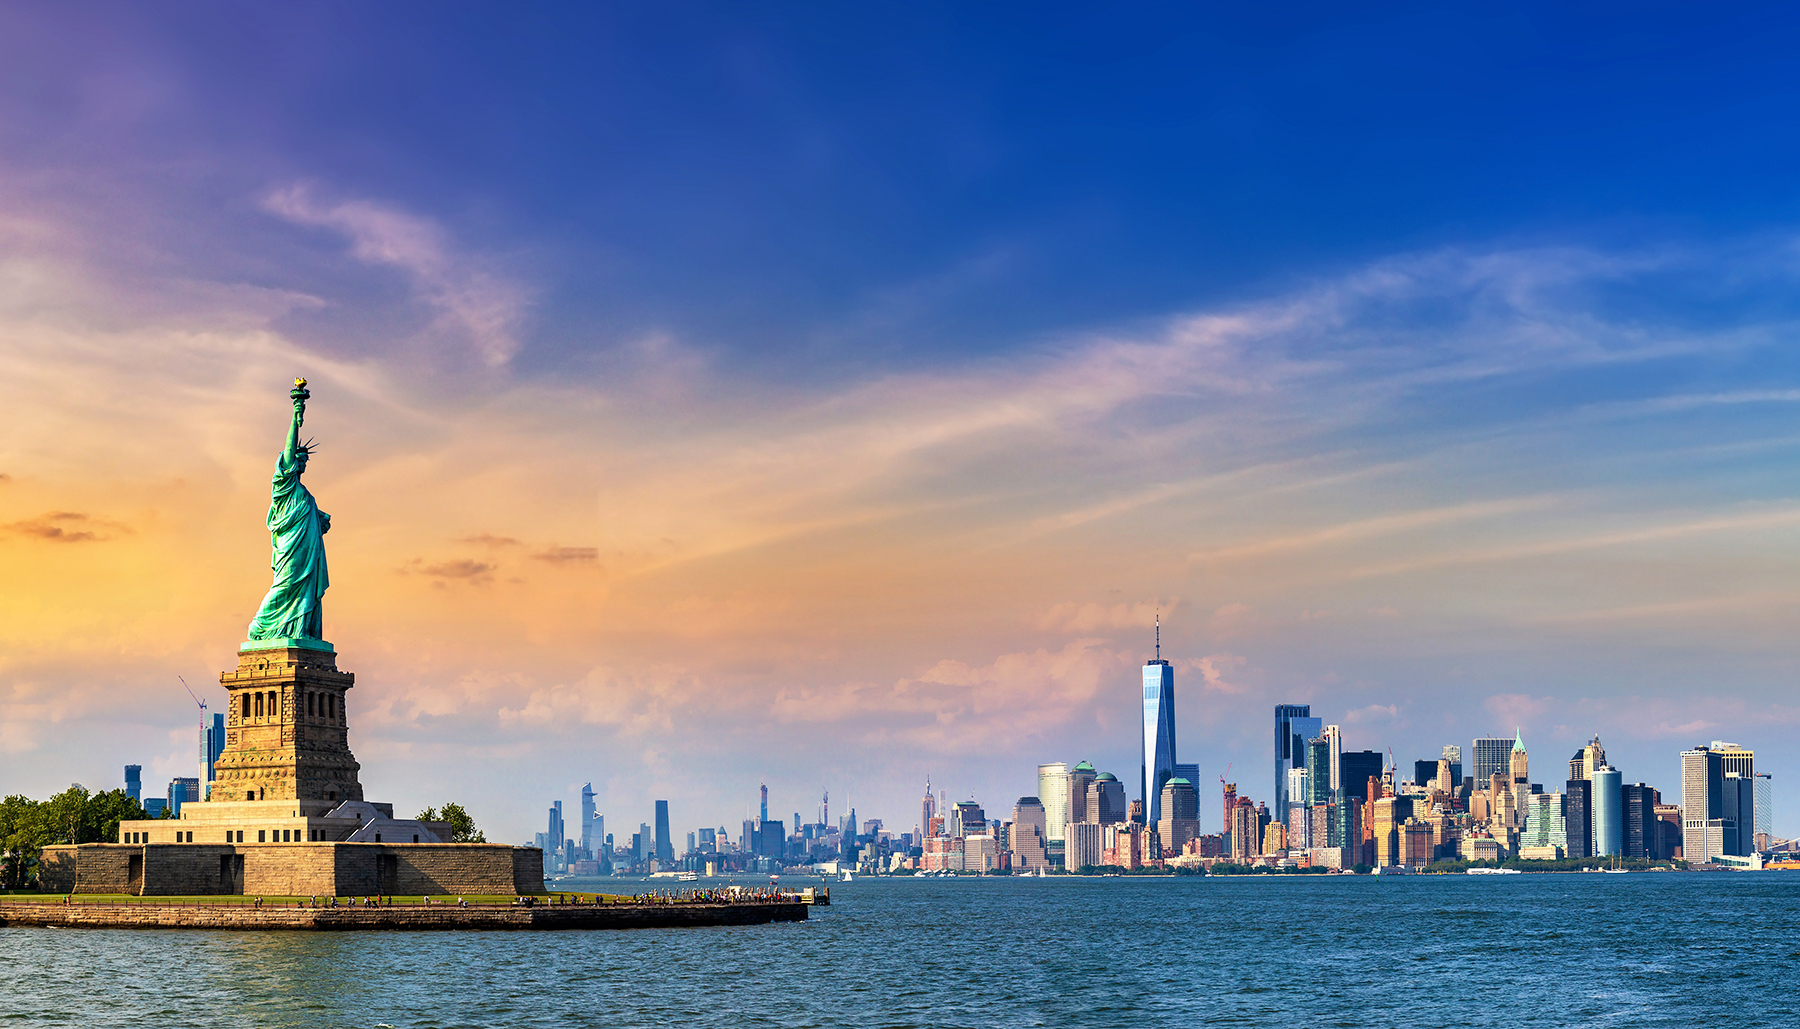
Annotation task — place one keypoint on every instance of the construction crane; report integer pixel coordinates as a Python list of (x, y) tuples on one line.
[(204, 740)]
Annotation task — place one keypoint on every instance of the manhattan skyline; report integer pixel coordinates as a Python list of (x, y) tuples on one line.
[(744, 398)]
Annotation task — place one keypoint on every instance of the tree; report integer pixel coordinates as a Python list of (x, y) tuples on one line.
[(462, 827)]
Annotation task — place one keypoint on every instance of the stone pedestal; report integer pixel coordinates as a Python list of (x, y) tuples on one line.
[(286, 728)]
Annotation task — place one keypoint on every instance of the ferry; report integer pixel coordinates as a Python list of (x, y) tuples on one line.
[(1493, 871), (687, 877)]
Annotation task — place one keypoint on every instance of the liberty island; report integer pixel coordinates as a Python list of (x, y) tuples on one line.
[(285, 815)]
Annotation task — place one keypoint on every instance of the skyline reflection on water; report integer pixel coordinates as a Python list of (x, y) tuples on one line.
[(1552, 950)]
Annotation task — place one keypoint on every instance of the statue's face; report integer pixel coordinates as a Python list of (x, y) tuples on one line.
[(302, 457)]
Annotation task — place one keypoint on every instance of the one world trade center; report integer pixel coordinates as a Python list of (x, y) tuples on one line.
[(1159, 731)]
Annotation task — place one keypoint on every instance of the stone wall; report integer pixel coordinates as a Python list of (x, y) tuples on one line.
[(243, 915), (293, 869)]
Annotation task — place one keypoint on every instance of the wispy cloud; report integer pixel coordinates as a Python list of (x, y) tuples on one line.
[(482, 304)]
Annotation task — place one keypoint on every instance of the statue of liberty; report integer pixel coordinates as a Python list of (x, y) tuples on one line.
[(296, 533)]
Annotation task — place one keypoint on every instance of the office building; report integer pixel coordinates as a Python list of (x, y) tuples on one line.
[(1424, 773), (181, 791), (154, 807), (1080, 778), (1493, 755), (134, 782), (1334, 742), (554, 833), (1702, 789), (1181, 815), (1638, 804), (1106, 800), (1546, 833), (1229, 790), (1765, 811), (1519, 762), (1737, 806), (1028, 835), (1084, 846), (665, 846), (1357, 767), (967, 818), (1159, 734), (588, 838), (1053, 793), (1453, 754), (1190, 772), (1586, 760), (1734, 759), (1578, 818), (1315, 757), (1609, 813), (212, 744), (1417, 844), (1294, 725), (1246, 830)]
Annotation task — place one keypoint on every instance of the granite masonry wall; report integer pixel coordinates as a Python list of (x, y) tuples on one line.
[(241, 915), (293, 869)]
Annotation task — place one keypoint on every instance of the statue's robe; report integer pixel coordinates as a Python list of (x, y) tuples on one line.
[(296, 532)]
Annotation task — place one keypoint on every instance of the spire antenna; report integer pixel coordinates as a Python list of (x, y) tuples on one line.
[(1159, 635)]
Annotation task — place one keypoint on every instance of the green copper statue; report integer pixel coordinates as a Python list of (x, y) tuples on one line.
[(297, 529)]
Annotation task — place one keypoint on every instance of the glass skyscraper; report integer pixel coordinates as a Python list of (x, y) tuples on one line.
[(1053, 793), (1286, 755), (665, 847), (1492, 755), (1159, 736), (1609, 813)]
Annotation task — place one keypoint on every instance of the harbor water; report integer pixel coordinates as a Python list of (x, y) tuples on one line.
[(1645, 949)]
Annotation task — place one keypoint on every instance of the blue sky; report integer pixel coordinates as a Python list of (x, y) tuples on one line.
[(1432, 364)]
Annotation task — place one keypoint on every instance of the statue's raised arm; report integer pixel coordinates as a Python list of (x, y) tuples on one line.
[(292, 609)]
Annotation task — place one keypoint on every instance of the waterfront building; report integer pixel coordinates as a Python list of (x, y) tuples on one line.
[(1492, 756), (665, 846), (134, 782), (1053, 793), (981, 852), (1106, 799), (1578, 817), (942, 854), (1125, 844), (1356, 768), (1737, 806), (1482, 848), (1230, 796), (1080, 778), (1027, 837), (1181, 815), (1294, 725), (1609, 815), (1638, 807), (1084, 846), (1702, 789), (1246, 830), (1159, 734), (1546, 827), (1416, 844), (1387, 841), (1274, 838)]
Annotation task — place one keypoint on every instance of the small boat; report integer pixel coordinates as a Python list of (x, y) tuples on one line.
[(845, 875), (687, 877)]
